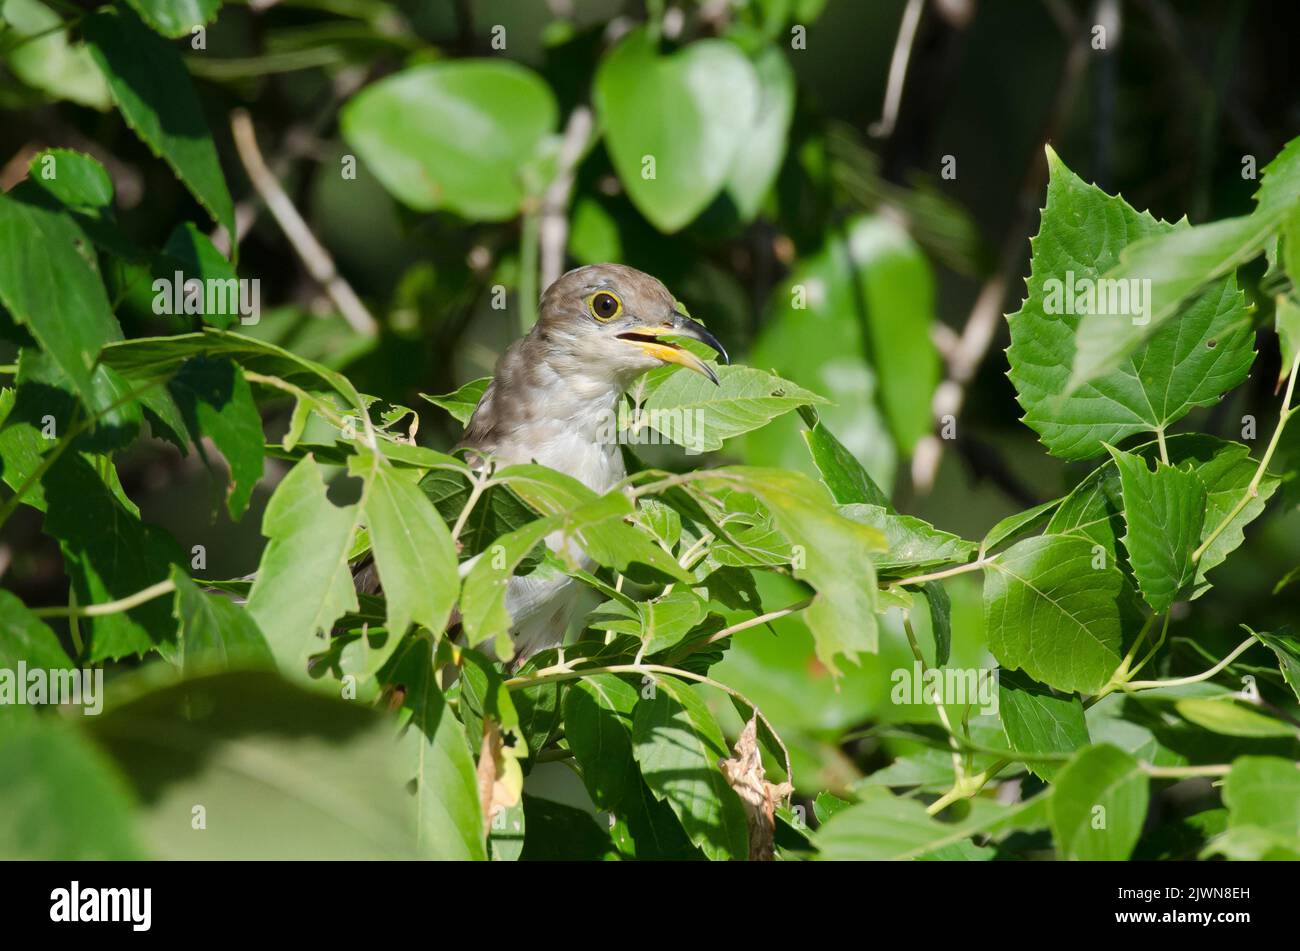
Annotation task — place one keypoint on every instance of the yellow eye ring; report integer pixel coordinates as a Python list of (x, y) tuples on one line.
[(604, 306)]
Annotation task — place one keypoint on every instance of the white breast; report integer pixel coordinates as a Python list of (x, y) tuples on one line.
[(578, 440)]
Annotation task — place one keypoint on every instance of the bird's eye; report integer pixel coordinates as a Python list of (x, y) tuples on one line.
[(605, 306)]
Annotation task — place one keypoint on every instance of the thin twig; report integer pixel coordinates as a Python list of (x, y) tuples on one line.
[(737, 628), (976, 565), (1195, 678), (884, 126), (981, 326), (314, 257), (553, 229), (346, 82), (166, 586)]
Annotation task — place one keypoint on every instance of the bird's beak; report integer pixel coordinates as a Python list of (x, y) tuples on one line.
[(649, 340)]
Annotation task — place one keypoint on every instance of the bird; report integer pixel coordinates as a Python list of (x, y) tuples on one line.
[(599, 328)]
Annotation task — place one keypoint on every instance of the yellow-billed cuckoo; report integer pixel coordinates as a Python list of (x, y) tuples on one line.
[(551, 399)]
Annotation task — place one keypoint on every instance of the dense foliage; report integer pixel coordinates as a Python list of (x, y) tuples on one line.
[(287, 715)]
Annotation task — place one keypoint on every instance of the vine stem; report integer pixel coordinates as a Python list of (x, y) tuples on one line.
[(1164, 449), (1160, 642), (1186, 772), (529, 241), (1252, 490), (978, 781), (1194, 679), (318, 262), (1123, 672), (977, 565), (166, 586), (958, 768), (966, 789), (481, 482), (742, 626)]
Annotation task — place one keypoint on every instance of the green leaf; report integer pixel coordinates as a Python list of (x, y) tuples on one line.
[(538, 706), (26, 638), (1165, 514), (215, 633), (49, 283), (75, 180), (847, 479), (157, 358), (484, 695), (484, 614), (153, 92), (911, 543), (744, 533), (48, 61), (1013, 525), (483, 608), (895, 287), (762, 147), (1286, 320), (887, 827), (678, 745), (816, 332), (109, 554), (1105, 725), (47, 401), (659, 108), (928, 769), (1287, 648), (412, 546), (1050, 612), (689, 410), (1037, 720), (280, 772), (1094, 509), (1176, 265), (176, 18), (663, 521), (1231, 717), (60, 799), (303, 582), (560, 832), (215, 401), (660, 623), (1264, 792), (611, 542), (834, 556), (198, 259), (936, 595), (827, 804), (646, 828), (462, 402), (463, 135), (449, 816), (1190, 363), (497, 512), (1098, 805), (598, 727), (1253, 844), (27, 434)]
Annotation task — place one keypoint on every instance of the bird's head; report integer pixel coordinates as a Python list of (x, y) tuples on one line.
[(614, 322)]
